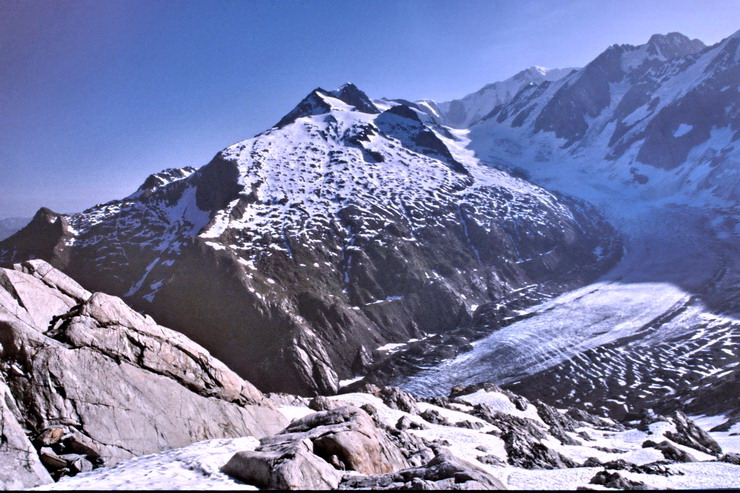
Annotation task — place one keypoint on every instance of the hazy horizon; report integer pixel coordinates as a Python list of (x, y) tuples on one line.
[(97, 96)]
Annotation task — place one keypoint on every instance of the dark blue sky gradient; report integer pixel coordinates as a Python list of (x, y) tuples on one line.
[(96, 95)]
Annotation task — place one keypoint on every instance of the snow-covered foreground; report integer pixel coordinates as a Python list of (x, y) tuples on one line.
[(193, 467), (197, 466)]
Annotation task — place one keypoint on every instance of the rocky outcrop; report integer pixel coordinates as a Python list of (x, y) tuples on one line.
[(670, 451), (529, 453), (353, 442), (317, 452), (689, 434), (95, 382), (616, 481), (311, 452), (22, 467), (347, 437), (292, 466), (443, 472)]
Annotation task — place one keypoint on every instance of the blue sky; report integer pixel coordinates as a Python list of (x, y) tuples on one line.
[(96, 95)]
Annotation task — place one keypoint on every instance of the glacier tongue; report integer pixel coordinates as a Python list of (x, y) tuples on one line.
[(661, 323)]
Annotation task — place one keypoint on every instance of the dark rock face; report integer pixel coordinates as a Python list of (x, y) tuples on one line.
[(622, 465), (403, 123), (526, 451), (673, 45), (395, 398), (558, 422), (597, 421), (293, 250), (43, 237), (315, 103), (584, 95), (94, 381), (66, 452), (616, 481), (731, 458), (353, 96), (710, 104), (22, 467), (12, 225)]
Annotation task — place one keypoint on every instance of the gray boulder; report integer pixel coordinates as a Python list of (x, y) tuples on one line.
[(350, 434), (313, 451), (616, 481), (289, 467), (670, 451)]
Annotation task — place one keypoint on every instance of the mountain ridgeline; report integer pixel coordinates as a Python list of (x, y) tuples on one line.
[(349, 225), (660, 119)]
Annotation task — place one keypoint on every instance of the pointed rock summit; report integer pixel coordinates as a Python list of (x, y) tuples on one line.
[(346, 98), (673, 45)]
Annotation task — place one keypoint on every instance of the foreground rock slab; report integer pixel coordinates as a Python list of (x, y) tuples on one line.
[(86, 364)]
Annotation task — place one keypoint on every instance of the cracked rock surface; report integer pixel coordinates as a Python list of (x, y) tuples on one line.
[(86, 363)]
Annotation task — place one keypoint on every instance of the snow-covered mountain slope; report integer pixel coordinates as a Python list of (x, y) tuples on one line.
[(660, 120), (489, 432), (462, 113), (341, 229)]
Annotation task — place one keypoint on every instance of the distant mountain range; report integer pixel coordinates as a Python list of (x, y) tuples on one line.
[(12, 224), (660, 119)]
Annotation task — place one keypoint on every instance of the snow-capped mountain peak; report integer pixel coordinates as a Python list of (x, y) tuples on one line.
[(319, 101), (660, 48), (464, 112)]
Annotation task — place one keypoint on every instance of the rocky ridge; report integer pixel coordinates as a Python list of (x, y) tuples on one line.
[(659, 119)]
